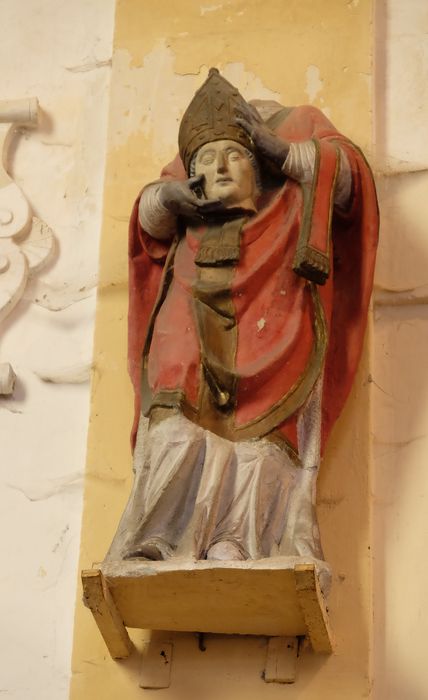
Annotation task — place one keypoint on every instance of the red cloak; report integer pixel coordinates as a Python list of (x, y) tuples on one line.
[(288, 329)]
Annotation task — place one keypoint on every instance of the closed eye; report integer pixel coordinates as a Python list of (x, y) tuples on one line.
[(207, 158), (234, 155)]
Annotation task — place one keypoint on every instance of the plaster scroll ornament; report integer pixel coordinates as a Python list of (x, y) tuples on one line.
[(26, 242), (251, 268)]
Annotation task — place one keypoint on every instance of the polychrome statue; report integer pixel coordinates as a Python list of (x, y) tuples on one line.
[(251, 268)]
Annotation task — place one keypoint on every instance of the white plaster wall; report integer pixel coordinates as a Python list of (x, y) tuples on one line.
[(60, 52), (400, 378)]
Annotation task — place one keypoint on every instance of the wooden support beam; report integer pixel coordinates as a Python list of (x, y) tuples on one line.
[(98, 599), (313, 608), (157, 662), (281, 660)]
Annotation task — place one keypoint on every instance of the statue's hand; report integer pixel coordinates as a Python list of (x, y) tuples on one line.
[(185, 198), (267, 143)]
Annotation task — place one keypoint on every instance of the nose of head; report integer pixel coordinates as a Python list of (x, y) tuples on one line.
[(221, 163)]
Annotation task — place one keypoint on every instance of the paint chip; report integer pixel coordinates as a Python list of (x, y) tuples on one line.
[(313, 82), (210, 8)]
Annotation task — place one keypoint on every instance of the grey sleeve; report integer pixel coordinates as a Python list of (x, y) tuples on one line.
[(155, 219), (300, 163)]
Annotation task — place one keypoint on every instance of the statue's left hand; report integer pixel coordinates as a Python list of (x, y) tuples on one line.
[(267, 143)]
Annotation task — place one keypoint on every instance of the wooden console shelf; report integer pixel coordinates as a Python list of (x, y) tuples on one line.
[(264, 597)]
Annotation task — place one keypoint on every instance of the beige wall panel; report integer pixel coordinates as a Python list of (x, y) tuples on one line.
[(402, 82), (401, 343), (401, 499), (401, 136), (296, 52), (402, 264)]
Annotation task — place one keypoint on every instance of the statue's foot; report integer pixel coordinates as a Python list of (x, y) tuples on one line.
[(154, 549), (226, 551)]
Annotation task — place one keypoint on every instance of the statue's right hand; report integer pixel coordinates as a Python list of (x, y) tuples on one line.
[(180, 198)]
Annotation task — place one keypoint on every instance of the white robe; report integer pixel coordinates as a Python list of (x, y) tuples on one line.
[(194, 489)]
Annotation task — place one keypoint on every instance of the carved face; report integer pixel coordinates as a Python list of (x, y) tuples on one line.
[(229, 173)]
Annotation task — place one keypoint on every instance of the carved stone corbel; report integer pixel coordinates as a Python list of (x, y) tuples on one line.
[(7, 379), (26, 242)]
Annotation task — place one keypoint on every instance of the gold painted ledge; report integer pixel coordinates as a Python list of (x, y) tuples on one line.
[(270, 597)]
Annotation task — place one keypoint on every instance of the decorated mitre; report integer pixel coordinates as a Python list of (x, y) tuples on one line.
[(211, 117)]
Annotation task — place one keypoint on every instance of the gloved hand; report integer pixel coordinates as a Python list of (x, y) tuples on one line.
[(266, 142), (185, 198)]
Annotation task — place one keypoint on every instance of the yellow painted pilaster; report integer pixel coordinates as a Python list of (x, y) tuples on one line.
[(296, 52)]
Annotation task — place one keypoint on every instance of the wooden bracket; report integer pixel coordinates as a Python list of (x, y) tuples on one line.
[(281, 660), (98, 599)]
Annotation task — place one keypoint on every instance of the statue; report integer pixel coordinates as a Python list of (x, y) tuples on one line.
[(251, 268)]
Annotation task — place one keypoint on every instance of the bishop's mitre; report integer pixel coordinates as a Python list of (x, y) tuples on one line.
[(211, 117)]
